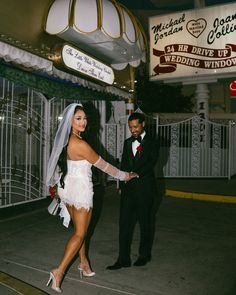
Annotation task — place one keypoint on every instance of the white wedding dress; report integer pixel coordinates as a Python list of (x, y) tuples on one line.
[(78, 189)]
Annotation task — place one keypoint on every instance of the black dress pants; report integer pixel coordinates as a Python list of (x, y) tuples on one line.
[(135, 207)]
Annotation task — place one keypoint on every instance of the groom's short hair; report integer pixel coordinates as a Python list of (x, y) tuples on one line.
[(137, 116)]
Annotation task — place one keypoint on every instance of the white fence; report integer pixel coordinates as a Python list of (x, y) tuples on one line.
[(191, 148), (28, 121), (22, 148), (195, 148)]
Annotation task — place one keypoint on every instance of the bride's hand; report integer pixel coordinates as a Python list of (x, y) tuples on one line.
[(132, 175)]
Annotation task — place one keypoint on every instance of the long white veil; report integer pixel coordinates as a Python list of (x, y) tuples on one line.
[(60, 141)]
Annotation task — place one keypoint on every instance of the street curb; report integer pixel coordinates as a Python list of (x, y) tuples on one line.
[(202, 197), (20, 287)]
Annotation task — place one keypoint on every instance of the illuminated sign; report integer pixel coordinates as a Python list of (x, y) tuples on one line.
[(232, 88), (193, 43), (85, 64)]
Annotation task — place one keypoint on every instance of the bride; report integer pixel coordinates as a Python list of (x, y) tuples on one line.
[(69, 167)]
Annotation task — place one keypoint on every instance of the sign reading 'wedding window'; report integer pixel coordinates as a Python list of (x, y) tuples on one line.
[(193, 43), (81, 62)]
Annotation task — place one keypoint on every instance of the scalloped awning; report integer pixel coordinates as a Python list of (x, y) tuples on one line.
[(103, 28)]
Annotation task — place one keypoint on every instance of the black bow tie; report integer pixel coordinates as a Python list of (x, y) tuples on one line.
[(139, 138)]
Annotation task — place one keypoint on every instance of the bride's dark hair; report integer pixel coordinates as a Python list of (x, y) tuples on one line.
[(62, 161)]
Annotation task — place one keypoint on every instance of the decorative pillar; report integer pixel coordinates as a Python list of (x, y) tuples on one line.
[(129, 106), (111, 136), (111, 129), (129, 111), (202, 92), (202, 96), (130, 102), (202, 109)]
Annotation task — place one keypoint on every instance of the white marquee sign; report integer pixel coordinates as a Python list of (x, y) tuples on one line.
[(193, 43), (81, 62)]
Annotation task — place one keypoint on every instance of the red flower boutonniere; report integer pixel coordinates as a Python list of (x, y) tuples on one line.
[(139, 150), (53, 191)]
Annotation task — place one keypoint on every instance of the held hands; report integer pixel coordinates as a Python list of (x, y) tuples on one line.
[(132, 175)]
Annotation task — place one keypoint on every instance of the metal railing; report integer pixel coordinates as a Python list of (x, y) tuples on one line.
[(190, 148), (22, 136), (28, 121)]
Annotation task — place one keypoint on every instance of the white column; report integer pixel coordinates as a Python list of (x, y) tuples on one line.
[(129, 111), (102, 111), (202, 92), (202, 96)]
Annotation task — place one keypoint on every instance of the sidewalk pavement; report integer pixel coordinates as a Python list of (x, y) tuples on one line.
[(193, 250)]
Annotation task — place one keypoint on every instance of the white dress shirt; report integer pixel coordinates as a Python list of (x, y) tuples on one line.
[(136, 143)]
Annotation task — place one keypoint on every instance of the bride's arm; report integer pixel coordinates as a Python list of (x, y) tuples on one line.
[(86, 152)]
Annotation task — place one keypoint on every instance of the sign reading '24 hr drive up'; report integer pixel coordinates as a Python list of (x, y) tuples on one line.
[(193, 43)]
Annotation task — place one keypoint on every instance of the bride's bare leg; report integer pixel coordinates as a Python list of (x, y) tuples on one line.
[(82, 253), (81, 220), (84, 265), (82, 250)]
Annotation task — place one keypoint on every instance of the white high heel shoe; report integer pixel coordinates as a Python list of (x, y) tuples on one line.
[(84, 270), (54, 282)]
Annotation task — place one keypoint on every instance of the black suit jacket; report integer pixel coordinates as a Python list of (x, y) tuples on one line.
[(143, 164)]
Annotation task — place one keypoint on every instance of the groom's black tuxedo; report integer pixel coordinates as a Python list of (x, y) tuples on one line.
[(137, 197)]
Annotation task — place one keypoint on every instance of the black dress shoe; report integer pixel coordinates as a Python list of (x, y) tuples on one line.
[(118, 265), (142, 260)]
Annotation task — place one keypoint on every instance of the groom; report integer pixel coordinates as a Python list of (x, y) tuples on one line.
[(140, 155)]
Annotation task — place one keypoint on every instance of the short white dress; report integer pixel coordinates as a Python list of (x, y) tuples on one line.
[(78, 189)]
